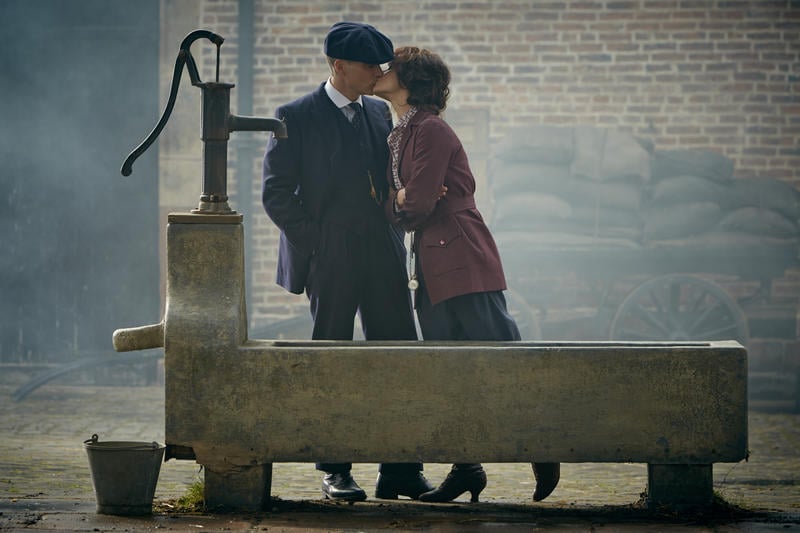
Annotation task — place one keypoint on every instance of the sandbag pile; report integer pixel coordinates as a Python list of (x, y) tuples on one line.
[(568, 187), (694, 197), (585, 187)]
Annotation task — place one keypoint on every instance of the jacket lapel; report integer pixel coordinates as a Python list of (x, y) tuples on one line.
[(418, 117), (328, 117)]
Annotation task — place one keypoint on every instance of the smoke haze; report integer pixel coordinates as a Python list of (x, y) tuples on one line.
[(80, 246)]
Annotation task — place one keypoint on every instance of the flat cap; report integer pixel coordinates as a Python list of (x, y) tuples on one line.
[(354, 41)]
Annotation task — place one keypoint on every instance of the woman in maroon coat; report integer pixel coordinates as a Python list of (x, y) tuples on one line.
[(456, 271)]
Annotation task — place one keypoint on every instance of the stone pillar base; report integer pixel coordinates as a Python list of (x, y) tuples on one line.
[(245, 490), (679, 486)]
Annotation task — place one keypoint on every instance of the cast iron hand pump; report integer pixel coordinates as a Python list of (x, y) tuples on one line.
[(217, 123)]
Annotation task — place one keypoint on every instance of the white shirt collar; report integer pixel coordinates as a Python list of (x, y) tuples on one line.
[(338, 98)]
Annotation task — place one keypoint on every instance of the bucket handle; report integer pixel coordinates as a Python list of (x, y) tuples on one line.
[(95, 439)]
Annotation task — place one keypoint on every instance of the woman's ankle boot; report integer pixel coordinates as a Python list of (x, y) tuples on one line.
[(460, 479)]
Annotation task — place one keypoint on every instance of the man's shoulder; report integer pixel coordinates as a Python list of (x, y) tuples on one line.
[(377, 107), (371, 100), (308, 101)]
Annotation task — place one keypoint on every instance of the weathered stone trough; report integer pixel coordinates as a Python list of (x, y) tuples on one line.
[(237, 405)]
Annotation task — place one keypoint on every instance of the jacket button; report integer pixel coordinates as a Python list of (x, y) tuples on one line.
[(441, 242)]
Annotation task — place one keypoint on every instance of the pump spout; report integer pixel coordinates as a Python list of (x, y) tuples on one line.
[(239, 123), (141, 338)]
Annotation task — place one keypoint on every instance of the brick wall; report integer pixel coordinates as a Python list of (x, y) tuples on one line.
[(710, 74)]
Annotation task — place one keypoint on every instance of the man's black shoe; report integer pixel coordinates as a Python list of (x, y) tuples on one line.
[(342, 486), (389, 487)]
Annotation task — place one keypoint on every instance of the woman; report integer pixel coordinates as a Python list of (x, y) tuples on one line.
[(456, 270)]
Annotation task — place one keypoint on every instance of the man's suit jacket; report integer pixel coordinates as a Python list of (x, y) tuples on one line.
[(302, 173), (456, 251)]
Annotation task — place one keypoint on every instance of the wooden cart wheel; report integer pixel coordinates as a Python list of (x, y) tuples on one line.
[(524, 315), (678, 307)]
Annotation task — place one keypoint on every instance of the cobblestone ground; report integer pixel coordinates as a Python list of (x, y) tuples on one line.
[(42, 457)]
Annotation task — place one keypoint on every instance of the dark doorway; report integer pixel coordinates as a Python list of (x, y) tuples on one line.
[(78, 91)]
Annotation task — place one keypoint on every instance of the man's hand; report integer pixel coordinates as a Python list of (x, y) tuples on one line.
[(401, 196)]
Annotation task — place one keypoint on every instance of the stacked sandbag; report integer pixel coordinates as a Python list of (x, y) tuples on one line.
[(686, 195), (568, 187), (694, 197), (762, 207)]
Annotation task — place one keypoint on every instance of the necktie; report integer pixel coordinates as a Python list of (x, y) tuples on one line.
[(358, 124), (358, 120)]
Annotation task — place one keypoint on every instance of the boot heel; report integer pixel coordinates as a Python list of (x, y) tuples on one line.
[(466, 478)]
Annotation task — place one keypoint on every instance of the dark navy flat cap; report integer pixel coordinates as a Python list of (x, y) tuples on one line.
[(354, 41)]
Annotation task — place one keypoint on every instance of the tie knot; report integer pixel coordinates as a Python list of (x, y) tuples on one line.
[(355, 106)]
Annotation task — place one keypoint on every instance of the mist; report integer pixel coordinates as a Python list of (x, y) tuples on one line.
[(80, 256), (81, 91), (609, 236)]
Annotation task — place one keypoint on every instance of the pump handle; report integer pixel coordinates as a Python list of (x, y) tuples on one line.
[(184, 58)]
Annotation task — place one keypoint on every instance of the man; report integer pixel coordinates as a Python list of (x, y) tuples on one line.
[(324, 187)]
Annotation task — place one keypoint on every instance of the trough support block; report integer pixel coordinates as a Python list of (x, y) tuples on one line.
[(247, 489), (680, 486)]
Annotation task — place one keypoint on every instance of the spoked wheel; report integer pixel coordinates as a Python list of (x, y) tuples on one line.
[(524, 315), (679, 308)]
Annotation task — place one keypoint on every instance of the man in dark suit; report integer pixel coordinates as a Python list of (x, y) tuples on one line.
[(324, 187)]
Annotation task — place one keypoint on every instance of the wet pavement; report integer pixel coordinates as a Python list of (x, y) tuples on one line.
[(45, 484)]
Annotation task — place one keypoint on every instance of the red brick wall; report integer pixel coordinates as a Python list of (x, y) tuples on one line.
[(710, 74)]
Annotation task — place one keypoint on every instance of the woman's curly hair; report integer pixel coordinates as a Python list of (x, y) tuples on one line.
[(425, 75)]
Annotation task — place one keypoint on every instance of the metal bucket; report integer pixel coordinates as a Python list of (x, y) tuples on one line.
[(124, 475)]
